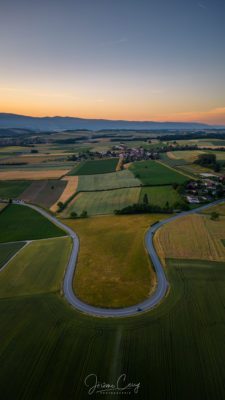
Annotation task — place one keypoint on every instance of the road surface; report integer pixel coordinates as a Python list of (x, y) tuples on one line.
[(162, 283)]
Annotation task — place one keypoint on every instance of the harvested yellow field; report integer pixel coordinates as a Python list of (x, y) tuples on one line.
[(31, 175), (119, 164), (29, 159), (70, 189), (219, 208), (2, 206), (172, 156), (126, 166), (193, 237)]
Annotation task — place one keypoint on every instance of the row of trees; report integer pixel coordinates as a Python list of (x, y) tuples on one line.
[(208, 161)]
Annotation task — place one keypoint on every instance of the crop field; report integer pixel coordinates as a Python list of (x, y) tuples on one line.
[(113, 180), (219, 208), (22, 223), (7, 250), (189, 155), (172, 162), (70, 189), (44, 166), (33, 159), (114, 268), (192, 236), (45, 193), (2, 206), (176, 349), (38, 268), (12, 189), (154, 173), (220, 155), (13, 149), (95, 167), (195, 169), (160, 195), (32, 175), (100, 203)]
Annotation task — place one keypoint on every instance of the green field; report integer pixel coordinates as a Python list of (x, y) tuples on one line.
[(95, 167), (12, 189), (51, 166), (114, 180), (113, 269), (172, 162), (22, 223), (7, 250), (45, 192), (100, 203), (154, 173), (38, 268), (159, 195), (175, 351)]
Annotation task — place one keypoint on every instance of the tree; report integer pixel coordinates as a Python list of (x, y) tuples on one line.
[(217, 167), (60, 205), (214, 216), (33, 151), (73, 214), (207, 160), (84, 214), (219, 191), (145, 198)]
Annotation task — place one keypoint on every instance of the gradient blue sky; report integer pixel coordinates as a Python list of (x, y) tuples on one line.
[(127, 59)]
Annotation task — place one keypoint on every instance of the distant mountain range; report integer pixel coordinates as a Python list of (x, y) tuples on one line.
[(47, 124)]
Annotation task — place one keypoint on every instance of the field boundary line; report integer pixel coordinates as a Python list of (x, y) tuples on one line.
[(14, 255), (176, 170)]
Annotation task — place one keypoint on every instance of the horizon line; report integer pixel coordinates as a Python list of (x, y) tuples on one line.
[(116, 120)]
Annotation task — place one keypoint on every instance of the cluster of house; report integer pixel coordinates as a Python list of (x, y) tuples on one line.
[(128, 154), (204, 190), (135, 153)]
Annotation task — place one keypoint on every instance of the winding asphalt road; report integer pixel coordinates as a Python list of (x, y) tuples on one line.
[(162, 283)]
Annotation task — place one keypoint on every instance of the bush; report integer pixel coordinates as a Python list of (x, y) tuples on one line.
[(73, 214), (60, 205), (84, 214), (214, 216)]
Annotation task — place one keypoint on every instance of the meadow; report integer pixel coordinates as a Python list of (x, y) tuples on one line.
[(38, 268), (44, 192), (7, 250), (12, 189), (174, 240), (113, 269), (95, 167), (105, 202), (154, 173), (113, 180), (22, 223), (160, 195), (174, 351)]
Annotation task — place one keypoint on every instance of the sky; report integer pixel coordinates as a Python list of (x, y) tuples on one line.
[(158, 60)]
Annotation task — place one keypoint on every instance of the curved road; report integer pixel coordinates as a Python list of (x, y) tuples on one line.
[(162, 284)]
